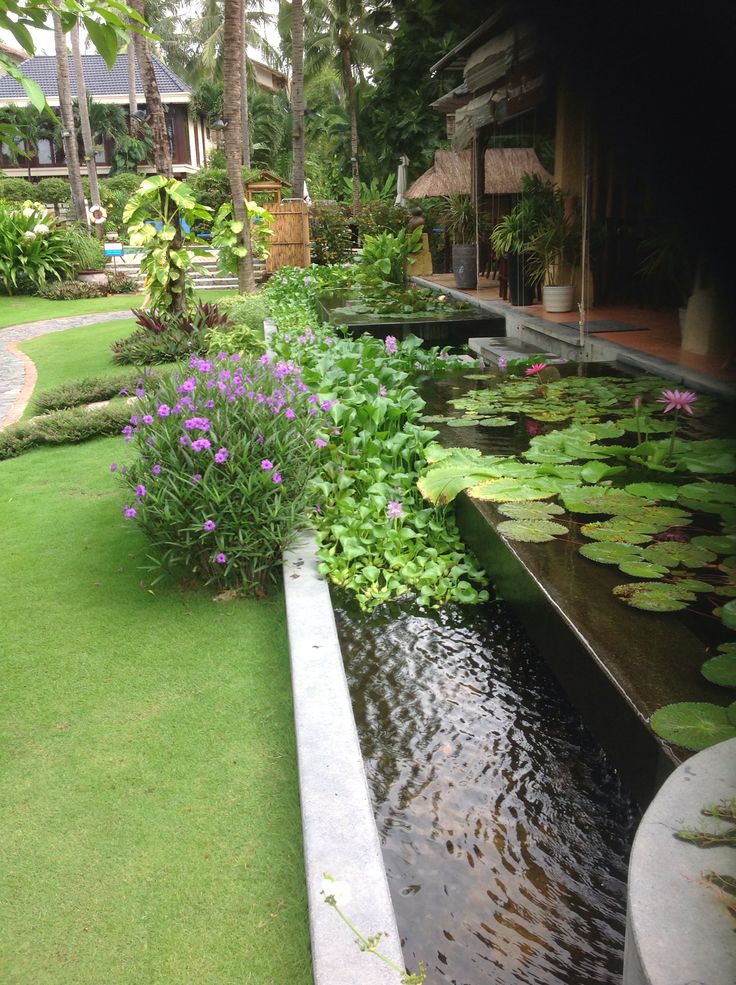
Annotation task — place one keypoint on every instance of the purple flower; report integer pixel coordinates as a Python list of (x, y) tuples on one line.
[(201, 444), (327, 405), (184, 440), (164, 410), (197, 424), (260, 439), (222, 455), (503, 363), (147, 419), (140, 490), (289, 414), (678, 400), (382, 391), (394, 510), (317, 508), (320, 442), (197, 477), (276, 477), (637, 403), (129, 512), (266, 464), (127, 431), (113, 466), (391, 344), (209, 526), (221, 558), (134, 419), (155, 470), (188, 385)]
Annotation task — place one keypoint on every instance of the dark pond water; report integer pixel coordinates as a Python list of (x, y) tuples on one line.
[(505, 831)]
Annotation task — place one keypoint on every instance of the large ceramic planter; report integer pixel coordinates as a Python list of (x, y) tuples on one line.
[(93, 277), (521, 291), (465, 266), (558, 298)]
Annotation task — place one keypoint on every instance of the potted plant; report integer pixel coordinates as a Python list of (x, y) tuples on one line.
[(509, 239), (553, 252), (458, 217)]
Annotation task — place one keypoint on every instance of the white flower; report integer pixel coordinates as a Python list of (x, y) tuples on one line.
[(40, 229), (29, 235), (442, 297), (28, 212), (97, 214), (336, 892)]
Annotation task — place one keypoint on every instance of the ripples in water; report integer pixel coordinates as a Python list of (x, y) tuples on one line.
[(505, 831)]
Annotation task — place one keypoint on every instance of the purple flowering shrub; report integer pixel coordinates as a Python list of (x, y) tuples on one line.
[(224, 458)]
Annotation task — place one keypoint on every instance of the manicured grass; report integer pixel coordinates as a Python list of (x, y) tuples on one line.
[(150, 829), (77, 352), (22, 309)]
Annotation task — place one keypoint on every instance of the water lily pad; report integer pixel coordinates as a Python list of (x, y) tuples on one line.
[(675, 552), (643, 569), (595, 471), (645, 425), (512, 490), (618, 530), (721, 669), (712, 542), (610, 553), (727, 590), (694, 585), (477, 376), (728, 614), (530, 510), (713, 456), (496, 422), (454, 471), (726, 648), (612, 501), (711, 497), (728, 564), (653, 490), (654, 596), (461, 422), (531, 531), (692, 724)]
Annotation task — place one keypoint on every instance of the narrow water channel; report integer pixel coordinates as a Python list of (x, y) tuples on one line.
[(505, 831)]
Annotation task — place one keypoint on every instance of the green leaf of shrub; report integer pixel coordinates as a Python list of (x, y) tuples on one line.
[(694, 725)]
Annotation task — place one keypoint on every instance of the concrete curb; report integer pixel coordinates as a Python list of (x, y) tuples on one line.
[(677, 930), (339, 830)]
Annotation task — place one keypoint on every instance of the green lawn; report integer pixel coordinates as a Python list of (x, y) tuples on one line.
[(22, 309), (150, 828)]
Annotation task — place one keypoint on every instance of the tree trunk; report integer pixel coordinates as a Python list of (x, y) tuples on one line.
[(154, 106), (244, 114), (297, 97), (89, 150), (232, 66), (67, 122), (132, 95), (347, 69)]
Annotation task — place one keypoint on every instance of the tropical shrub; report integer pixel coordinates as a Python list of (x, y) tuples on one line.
[(167, 337), (53, 191), (62, 427), (17, 190), (226, 235), (380, 216), (377, 538), (120, 284), (154, 218), (332, 240), (87, 250), (211, 187), (89, 390), (246, 309), (32, 246), (240, 338), (384, 257), (224, 457), (71, 290)]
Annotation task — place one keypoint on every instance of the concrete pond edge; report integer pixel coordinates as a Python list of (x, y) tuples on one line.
[(338, 824)]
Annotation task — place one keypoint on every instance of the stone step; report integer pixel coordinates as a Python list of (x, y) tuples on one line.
[(493, 349)]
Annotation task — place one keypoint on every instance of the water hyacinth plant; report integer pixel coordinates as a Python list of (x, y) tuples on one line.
[(225, 454)]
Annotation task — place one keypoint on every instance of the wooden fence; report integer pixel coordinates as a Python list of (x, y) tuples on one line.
[(289, 244)]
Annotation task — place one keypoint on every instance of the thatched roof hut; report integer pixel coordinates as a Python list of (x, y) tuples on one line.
[(451, 171)]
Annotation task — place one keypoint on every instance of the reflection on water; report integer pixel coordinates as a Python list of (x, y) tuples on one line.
[(505, 831)]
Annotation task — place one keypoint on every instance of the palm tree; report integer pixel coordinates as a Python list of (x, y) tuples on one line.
[(355, 35), (67, 119), (297, 97), (132, 95), (154, 106), (232, 68), (89, 151)]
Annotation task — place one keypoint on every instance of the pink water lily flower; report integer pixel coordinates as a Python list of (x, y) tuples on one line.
[(535, 368), (678, 400)]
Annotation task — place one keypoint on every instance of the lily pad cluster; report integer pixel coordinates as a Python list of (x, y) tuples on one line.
[(657, 508)]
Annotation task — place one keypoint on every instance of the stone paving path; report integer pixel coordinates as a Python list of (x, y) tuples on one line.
[(16, 377)]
